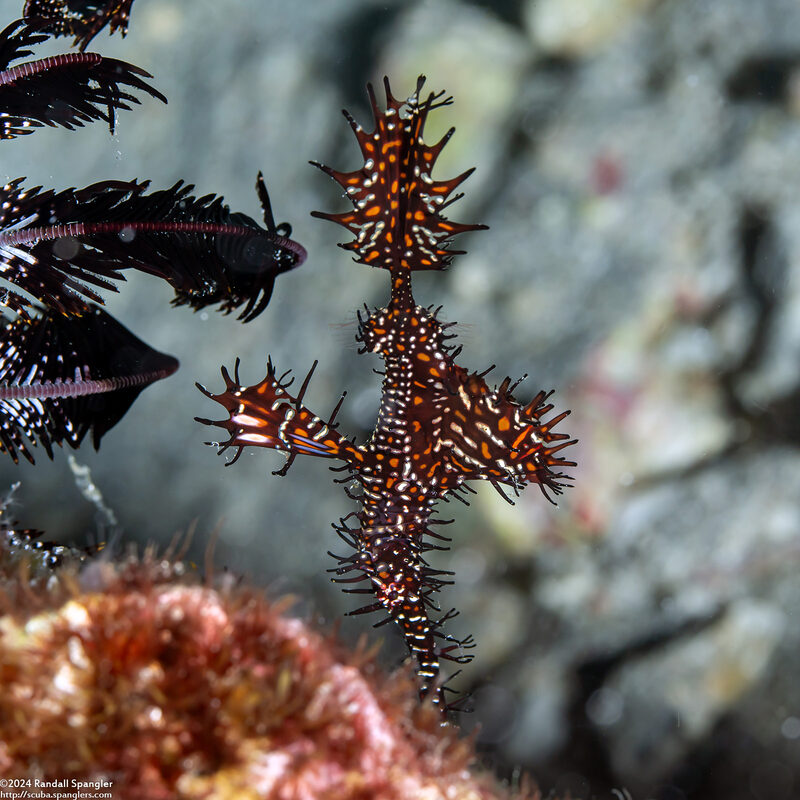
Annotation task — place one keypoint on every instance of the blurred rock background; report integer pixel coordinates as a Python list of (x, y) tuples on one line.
[(638, 164)]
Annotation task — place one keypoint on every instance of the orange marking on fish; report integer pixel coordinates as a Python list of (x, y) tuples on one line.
[(521, 437)]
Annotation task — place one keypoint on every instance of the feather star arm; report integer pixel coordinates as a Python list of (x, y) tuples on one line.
[(83, 20)]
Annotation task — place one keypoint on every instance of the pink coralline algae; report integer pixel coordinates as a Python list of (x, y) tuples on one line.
[(138, 673)]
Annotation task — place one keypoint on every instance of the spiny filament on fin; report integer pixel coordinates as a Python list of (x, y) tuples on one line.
[(397, 205), (439, 426)]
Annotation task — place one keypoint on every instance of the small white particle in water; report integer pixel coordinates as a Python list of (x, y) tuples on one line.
[(66, 248), (127, 235), (791, 728), (604, 707)]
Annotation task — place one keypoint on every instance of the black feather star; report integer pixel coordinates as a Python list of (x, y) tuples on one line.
[(66, 90), (66, 367), (57, 246), (83, 19), (24, 548), (64, 376)]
